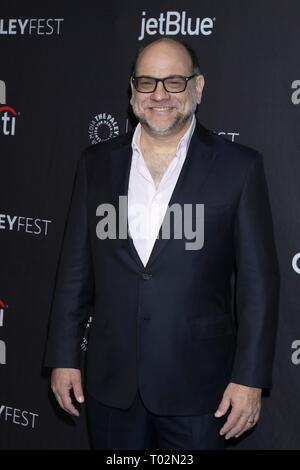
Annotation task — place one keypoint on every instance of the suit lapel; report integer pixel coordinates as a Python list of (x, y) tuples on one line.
[(194, 173), (197, 165), (119, 181)]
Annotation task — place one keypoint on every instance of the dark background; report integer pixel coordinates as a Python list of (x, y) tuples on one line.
[(57, 84)]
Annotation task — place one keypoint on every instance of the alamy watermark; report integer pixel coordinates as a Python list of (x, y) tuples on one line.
[(178, 221)]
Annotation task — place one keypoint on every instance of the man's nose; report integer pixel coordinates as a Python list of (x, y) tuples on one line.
[(160, 93)]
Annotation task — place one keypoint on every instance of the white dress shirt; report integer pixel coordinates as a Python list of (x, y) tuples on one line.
[(147, 204)]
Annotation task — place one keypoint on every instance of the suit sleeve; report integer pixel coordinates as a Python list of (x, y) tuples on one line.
[(257, 284), (74, 292)]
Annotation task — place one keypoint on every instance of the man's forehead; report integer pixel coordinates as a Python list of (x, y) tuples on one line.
[(165, 55)]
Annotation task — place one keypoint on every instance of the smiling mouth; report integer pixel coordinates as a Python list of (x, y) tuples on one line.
[(161, 108)]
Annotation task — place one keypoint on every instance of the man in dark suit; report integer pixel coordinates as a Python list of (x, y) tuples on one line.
[(176, 357)]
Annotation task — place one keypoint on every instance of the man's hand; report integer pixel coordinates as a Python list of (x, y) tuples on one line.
[(245, 405), (62, 382)]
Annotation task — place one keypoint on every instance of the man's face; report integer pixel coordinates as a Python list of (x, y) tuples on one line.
[(160, 112)]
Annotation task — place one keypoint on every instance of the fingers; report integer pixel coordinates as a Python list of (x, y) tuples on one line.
[(223, 407), (245, 409), (65, 402), (237, 423), (251, 422), (78, 392), (231, 423), (234, 427), (63, 381)]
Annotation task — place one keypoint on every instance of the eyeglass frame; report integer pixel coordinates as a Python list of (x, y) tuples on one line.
[(162, 80)]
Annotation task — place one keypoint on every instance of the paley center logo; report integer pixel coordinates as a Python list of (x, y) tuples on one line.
[(171, 23), (30, 26), (3, 307), (103, 127), (8, 115), (295, 97)]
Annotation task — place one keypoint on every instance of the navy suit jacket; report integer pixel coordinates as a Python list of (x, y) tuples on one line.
[(176, 329)]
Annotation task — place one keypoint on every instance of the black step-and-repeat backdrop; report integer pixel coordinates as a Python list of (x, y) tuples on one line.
[(64, 72)]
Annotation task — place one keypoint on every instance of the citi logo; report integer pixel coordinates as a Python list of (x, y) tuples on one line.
[(296, 94), (7, 113), (175, 22), (2, 343)]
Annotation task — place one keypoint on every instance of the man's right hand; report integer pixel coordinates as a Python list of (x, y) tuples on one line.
[(62, 382)]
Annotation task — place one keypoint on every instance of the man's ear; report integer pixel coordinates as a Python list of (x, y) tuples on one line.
[(132, 90), (200, 82)]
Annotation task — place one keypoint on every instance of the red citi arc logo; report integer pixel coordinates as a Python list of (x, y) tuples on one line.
[(8, 108), (7, 113)]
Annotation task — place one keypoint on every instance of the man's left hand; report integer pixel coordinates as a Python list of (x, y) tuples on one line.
[(245, 405)]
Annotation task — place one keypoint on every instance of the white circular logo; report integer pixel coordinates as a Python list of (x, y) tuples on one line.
[(295, 263), (103, 127)]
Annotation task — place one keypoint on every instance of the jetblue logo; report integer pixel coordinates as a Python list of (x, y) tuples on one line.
[(172, 23)]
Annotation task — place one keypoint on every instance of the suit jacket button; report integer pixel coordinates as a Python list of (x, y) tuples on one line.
[(146, 276)]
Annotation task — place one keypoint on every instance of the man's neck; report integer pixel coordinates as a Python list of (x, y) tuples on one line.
[(162, 143), (158, 151)]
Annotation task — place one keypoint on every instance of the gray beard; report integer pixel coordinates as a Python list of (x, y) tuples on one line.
[(178, 123)]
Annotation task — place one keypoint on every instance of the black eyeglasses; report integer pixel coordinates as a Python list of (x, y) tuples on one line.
[(172, 84)]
